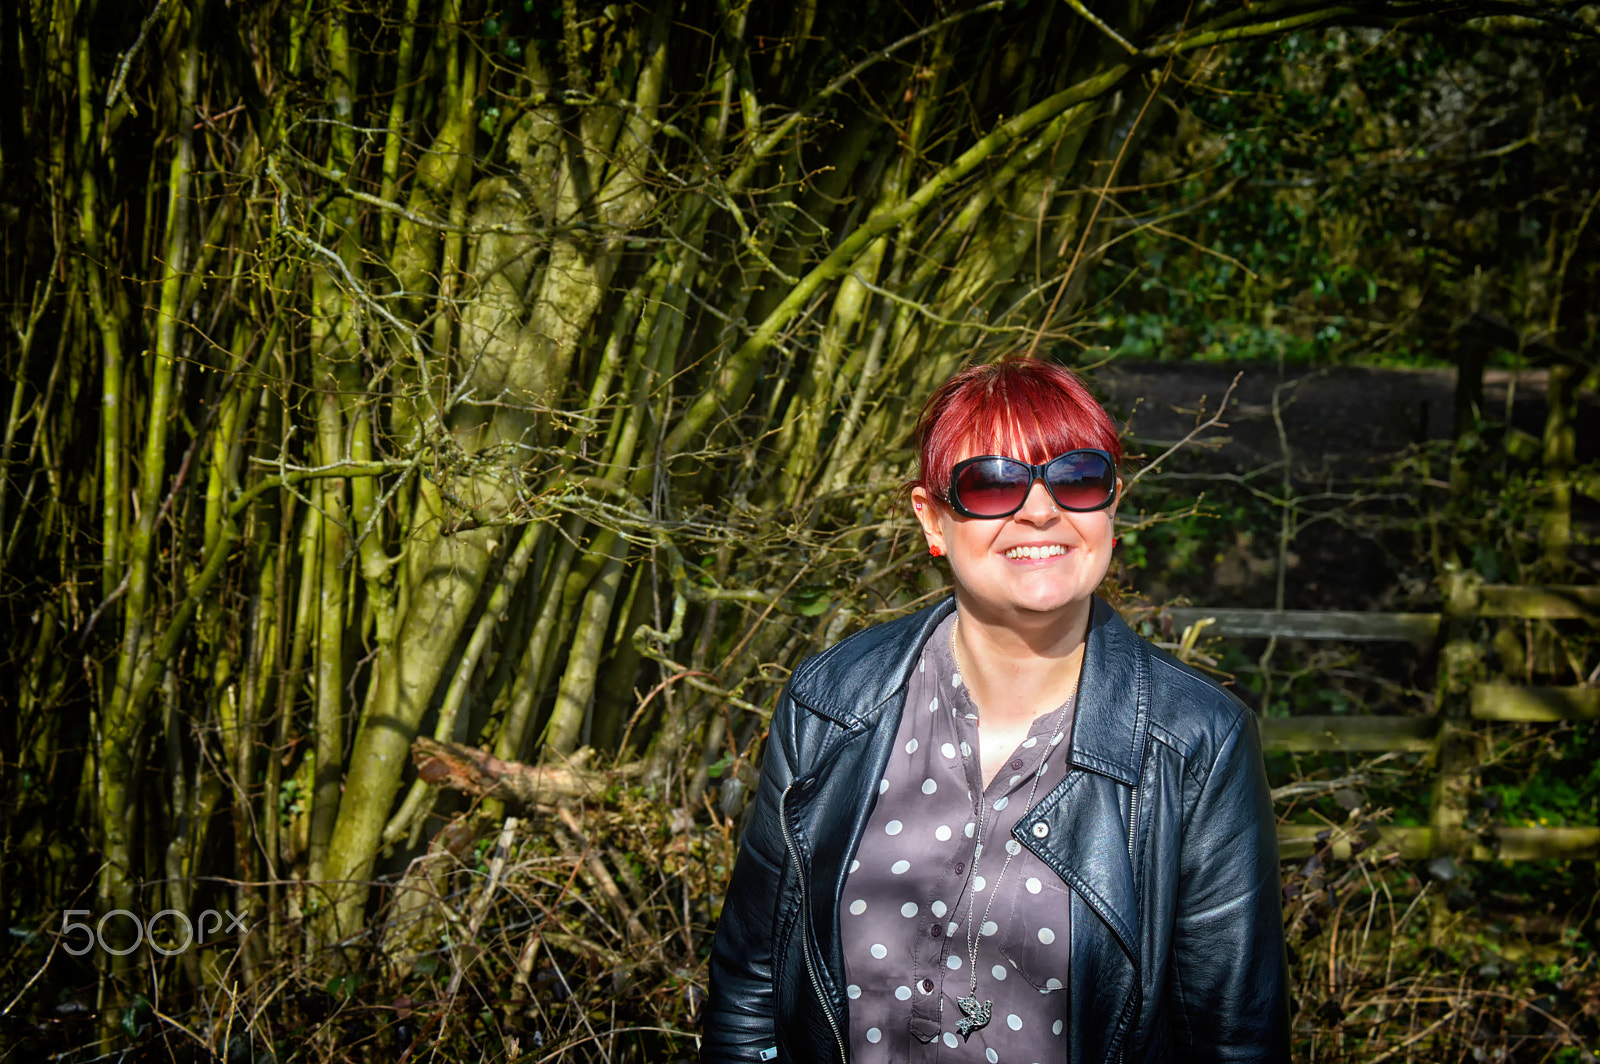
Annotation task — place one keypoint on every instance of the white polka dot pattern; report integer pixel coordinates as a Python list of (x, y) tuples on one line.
[(904, 914)]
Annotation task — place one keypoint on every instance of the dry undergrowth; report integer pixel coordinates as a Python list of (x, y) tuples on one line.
[(1398, 961), (579, 933)]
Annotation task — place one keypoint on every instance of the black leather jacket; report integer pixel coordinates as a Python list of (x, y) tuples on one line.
[(1162, 830)]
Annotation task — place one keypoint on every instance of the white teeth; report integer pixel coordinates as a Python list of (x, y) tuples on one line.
[(1036, 552)]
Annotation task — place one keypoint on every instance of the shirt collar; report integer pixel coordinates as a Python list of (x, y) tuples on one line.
[(854, 681)]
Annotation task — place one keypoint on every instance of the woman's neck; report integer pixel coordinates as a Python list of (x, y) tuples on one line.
[(1013, 672)]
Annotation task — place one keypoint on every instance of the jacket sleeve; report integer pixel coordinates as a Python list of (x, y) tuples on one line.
[(740, 1022), (1228, 995)]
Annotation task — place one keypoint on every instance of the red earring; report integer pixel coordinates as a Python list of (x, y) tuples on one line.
[(936, 551), (1113, 542)]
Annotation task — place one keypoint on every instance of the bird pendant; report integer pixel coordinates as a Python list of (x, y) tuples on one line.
[(977, 1015)]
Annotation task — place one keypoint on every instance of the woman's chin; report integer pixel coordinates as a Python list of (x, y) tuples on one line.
[(1035, 598)]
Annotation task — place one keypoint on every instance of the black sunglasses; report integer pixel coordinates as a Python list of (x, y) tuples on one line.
[(992, 485)]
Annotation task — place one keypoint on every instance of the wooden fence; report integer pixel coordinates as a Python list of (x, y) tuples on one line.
[(1448, 736)]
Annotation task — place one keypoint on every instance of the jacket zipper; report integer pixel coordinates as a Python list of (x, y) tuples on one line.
[(1133, 818), (805, 936)]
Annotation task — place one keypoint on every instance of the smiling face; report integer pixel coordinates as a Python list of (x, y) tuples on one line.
[(1039, 565)]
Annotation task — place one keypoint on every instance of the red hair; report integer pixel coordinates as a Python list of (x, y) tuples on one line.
[(1041, 407)]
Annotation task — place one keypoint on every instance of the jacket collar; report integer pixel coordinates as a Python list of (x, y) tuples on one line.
[(853, 682), (1113, 709)]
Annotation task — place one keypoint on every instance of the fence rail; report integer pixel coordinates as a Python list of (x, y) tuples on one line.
[(1311, 624), (1571, 603), (1447, 834), (1493, 844)]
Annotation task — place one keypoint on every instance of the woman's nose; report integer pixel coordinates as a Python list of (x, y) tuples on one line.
[(1038, 506)]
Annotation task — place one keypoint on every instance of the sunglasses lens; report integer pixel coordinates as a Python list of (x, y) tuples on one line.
[(1081, 480), (992, 487)]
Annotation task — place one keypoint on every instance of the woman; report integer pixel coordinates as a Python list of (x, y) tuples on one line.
[(1006, 828)]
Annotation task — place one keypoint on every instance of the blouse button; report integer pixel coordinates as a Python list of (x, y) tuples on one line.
[(926, 986), (1040, 829), (961, 866), (936, 930), (1016, 763)]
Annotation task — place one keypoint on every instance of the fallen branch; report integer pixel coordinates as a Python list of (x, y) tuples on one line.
[(478, 772)]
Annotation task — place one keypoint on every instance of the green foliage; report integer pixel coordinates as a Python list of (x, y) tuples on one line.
[(1549, 777), (1350, 197)]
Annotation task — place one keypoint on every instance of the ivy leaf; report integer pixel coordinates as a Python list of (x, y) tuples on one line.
[(811, 600)]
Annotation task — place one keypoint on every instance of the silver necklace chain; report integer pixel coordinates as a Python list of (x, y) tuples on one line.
[(976, 1014)]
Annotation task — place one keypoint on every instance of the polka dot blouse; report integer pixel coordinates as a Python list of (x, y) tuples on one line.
[(908, 898)]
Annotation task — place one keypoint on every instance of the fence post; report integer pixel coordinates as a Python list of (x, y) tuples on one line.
[(1560, 445), (1457, 747)]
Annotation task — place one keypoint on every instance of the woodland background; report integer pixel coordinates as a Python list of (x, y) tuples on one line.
[(432, 433)]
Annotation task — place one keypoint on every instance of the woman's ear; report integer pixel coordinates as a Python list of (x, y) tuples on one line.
[(927, 514)]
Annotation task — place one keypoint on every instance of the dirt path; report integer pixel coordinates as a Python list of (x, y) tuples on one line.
[(1342, 421), (1342, 424)]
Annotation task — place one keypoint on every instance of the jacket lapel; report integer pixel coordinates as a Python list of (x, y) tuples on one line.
[(864, 692), (1081, 830)]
